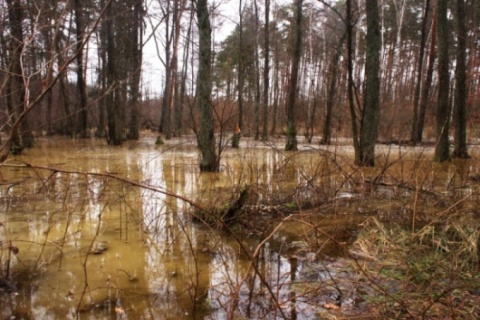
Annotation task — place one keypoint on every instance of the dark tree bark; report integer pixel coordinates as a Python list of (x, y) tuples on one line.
[(327, 133), (418, 84), (442, 147), (256, 119), (15, 88), (276, 77), (350, 83), (68, 122), (371, 112), (266, 71), (81, 83), (102, 81), (206, 138), (291, 144), (240, 80), (136, 65), (114, 103), (460, 114)]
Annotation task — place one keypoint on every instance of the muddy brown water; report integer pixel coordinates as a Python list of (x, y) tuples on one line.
[(91, 246)]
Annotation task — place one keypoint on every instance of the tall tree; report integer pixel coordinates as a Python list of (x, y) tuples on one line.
[(291, 144), (331, 90), (165, 115), (136, 53), (418, 84), (206, 139), (424, 98), (276, 78), (16, 83), (350, 83), (113, 100), (102, 82), (266, 70), (81, 82), (371, 112), (460, 111), (256, 112), (240, 78), (442, 147), (182, 86)]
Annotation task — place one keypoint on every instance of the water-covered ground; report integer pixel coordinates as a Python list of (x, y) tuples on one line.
[(97, 232)]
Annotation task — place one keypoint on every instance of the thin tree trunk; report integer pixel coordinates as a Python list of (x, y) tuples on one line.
[(460, 114), (421, 54), (102, 80), (350, 84), (183, 87), (442, 151), (256, 119), (276, 89), (240, 80), (68, 124), (81, 83), (15, 86), (327, 132), (165, 108), (291, 144), (266, 71), (428, 81)]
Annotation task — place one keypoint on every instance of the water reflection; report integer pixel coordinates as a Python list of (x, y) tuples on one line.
[(95, 247)]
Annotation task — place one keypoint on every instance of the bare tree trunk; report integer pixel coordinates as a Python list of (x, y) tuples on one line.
[(256, 119), (371, 111), (137, 41), (266, 71), (442, 147), (68, 123), (276, 89), (206, 138), (81, 83), (240, 80), (291, 144), (114, 101), (428, 82), (421, 54), (15, 86), (332, 89), (183, 86), (165, 114), (102, 80), (460, 114), (350, 84)]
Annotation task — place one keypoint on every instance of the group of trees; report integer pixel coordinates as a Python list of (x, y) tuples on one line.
[(46, 67), (300, 66), (385, 65)]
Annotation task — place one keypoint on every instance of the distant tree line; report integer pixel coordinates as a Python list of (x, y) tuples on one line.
[(375, 71)]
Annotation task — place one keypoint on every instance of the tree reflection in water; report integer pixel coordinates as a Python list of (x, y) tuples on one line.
[(136, 204)]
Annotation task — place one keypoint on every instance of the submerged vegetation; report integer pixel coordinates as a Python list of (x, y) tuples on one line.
[(133, 234)]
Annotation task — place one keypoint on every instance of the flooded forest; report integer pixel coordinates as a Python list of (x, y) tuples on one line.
[(239, 159)]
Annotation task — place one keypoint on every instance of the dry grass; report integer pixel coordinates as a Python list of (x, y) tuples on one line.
[(429, 274)]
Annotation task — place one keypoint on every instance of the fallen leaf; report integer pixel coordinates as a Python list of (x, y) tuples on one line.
[(330, 306)]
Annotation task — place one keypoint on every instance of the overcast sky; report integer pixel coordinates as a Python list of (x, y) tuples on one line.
[(225, 20)]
